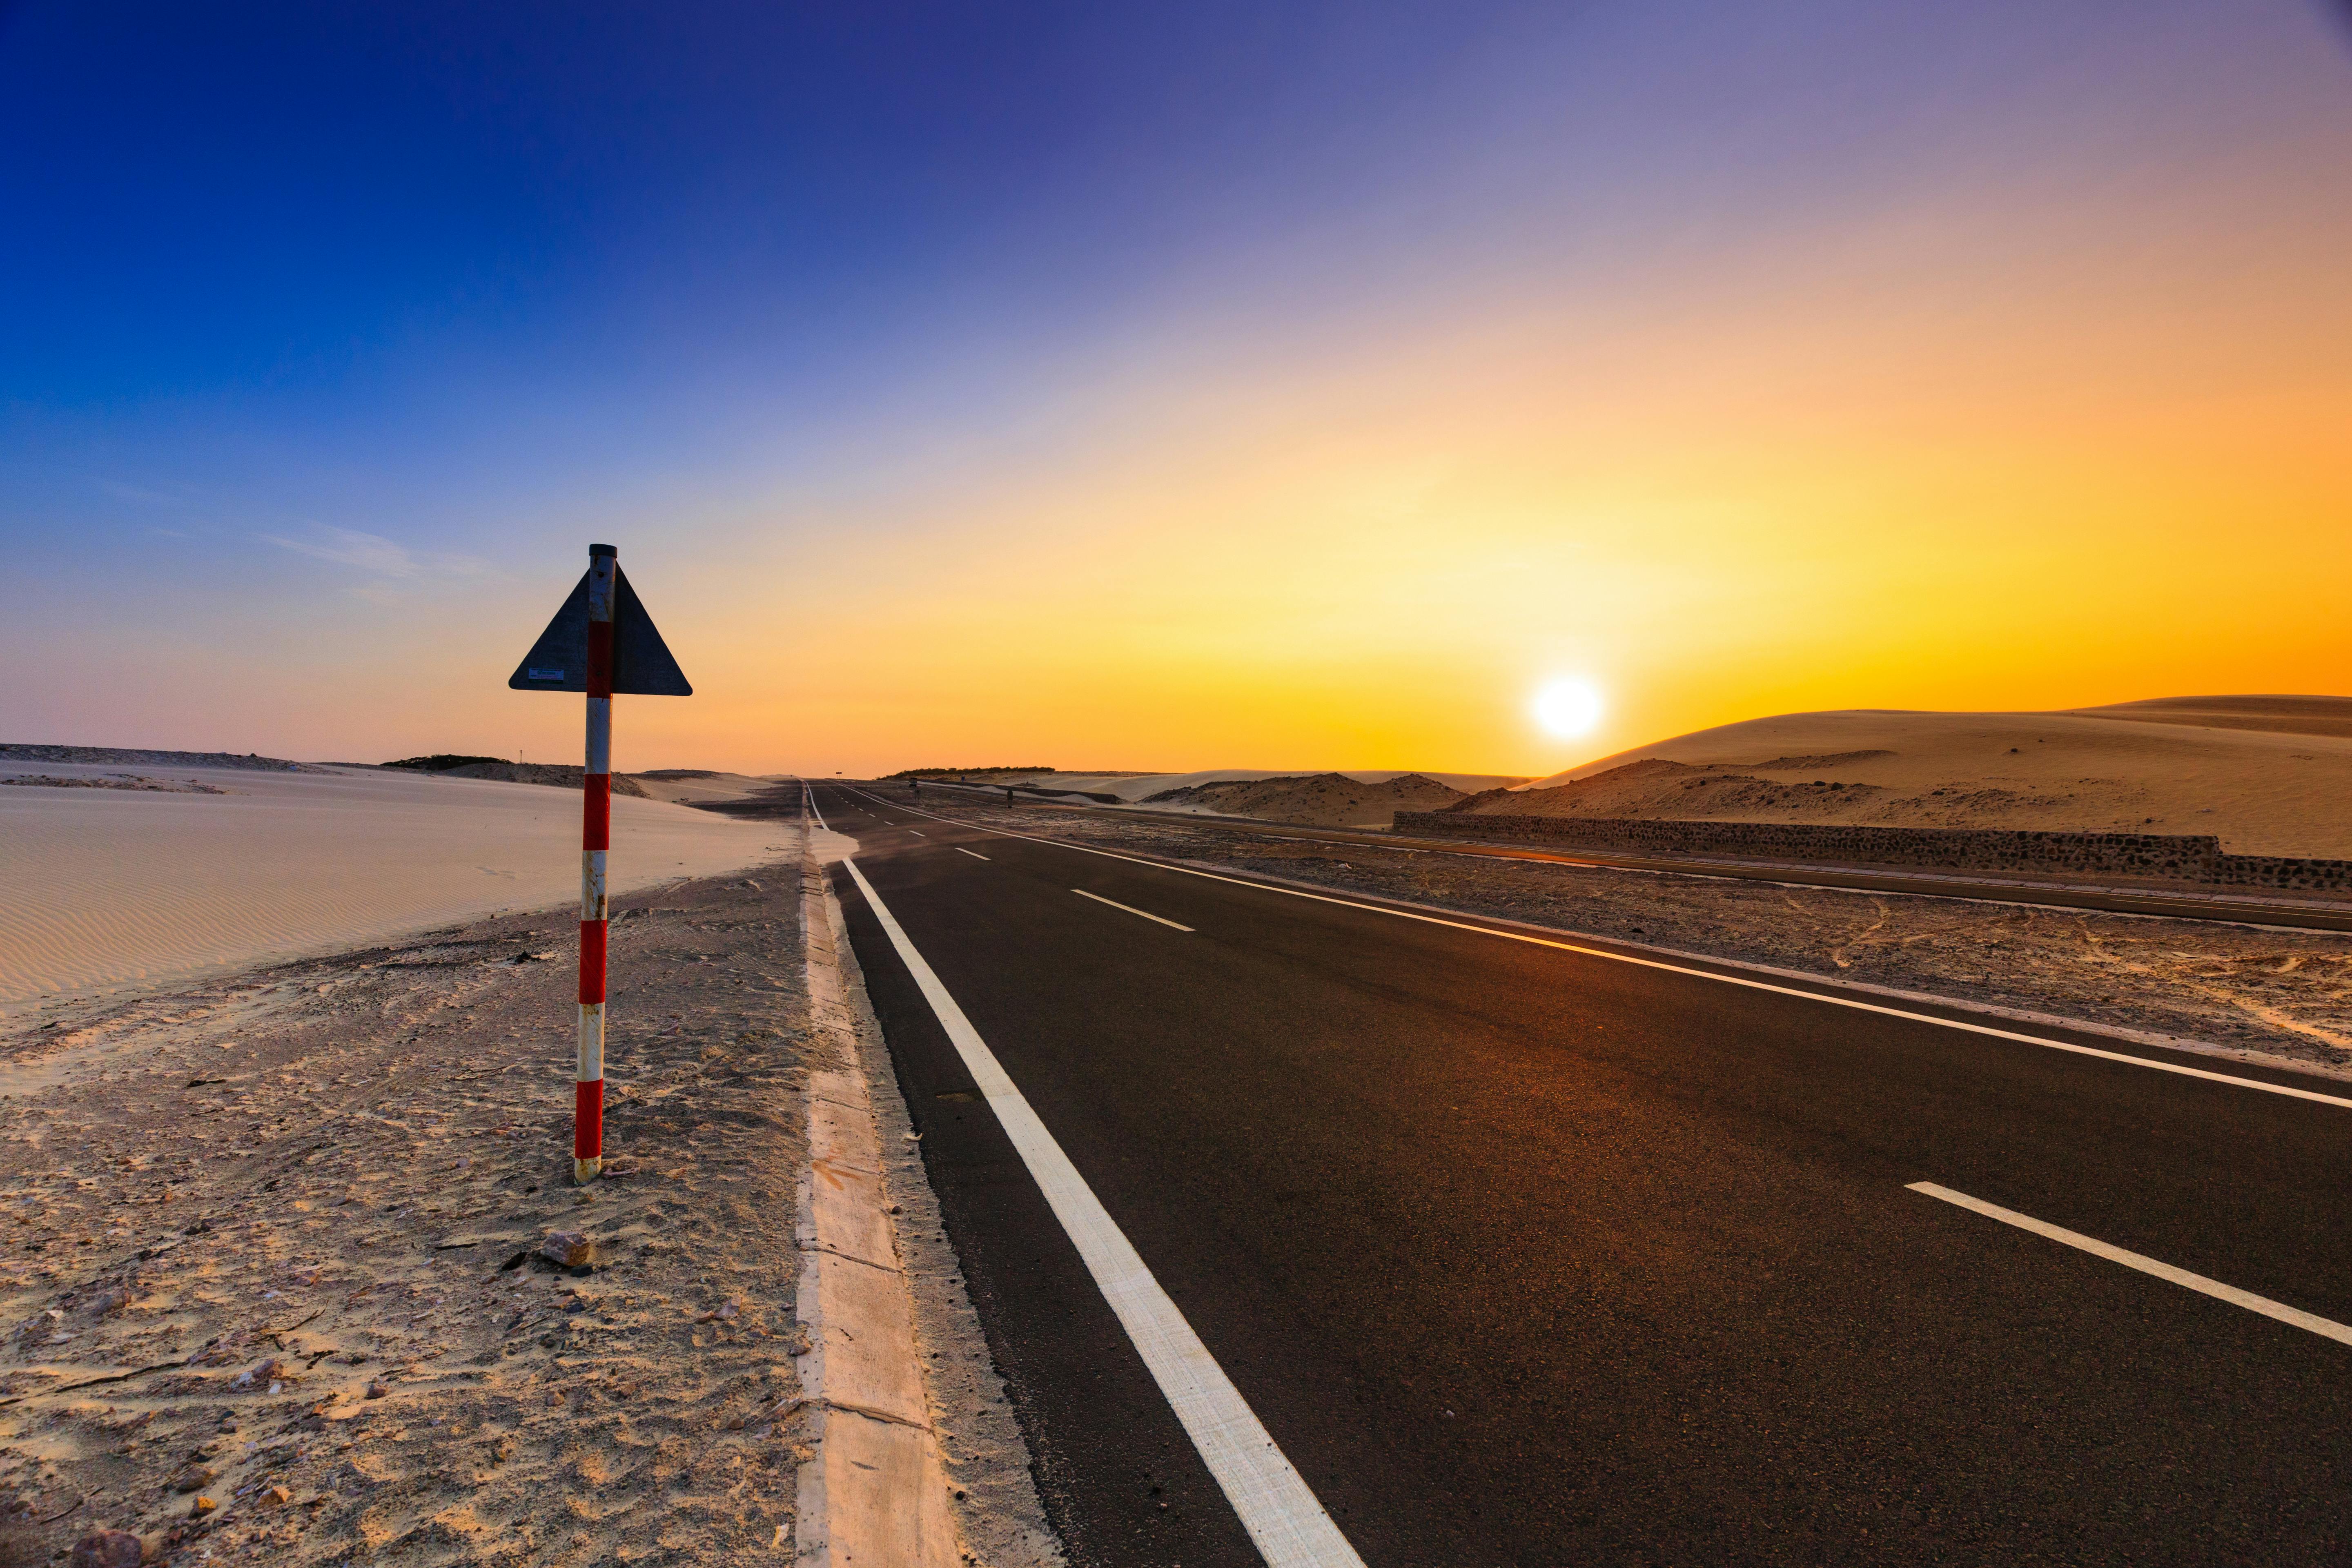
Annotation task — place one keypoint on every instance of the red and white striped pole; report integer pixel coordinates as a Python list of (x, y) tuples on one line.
[(595, 839)]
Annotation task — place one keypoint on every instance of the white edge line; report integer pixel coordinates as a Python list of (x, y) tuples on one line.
[(1858, 1006), (974, 853), (1289, 1526), (1131, 909), (2324, 1326)]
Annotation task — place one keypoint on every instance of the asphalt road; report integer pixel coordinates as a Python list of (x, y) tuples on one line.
[(2251, 909), (1527, 1255)]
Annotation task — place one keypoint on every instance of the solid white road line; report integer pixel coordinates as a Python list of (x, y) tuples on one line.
[(1131, 909), (975, 854), (812, 806), (2324, 1326), (1825, 998), (1281, 1514)]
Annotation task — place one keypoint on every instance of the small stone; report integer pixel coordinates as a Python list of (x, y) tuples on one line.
[(275, 1496), (201, 1507), (195, 1478), (106, 1548), (568, 1249), (377, 1390), (269, 1370)]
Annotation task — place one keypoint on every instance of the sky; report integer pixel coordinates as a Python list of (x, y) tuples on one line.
[(1165, 387)]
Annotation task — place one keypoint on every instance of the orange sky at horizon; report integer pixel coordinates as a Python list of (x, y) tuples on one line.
[(1740, 506)]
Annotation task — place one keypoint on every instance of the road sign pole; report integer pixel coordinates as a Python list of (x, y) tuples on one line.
[(595, 841), (600, 642)]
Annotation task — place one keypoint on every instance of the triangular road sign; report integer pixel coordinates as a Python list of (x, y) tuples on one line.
[(641, 665)]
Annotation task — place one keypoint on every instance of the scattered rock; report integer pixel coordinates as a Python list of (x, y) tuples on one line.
[(201, 1507), (272, 1371), (568, 1249), (195, 1478), (376, 1390), (275, 1497)]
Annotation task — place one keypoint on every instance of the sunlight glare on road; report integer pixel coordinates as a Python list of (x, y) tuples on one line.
[(1567, 708)]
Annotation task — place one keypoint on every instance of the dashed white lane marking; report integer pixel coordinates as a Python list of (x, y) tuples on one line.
[(1276, 1507), (2324, 1326), (1823, 997), (1131, 909), (918, 833), (974, 853)]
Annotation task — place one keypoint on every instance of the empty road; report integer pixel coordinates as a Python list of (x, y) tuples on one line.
[(1517, 1252)]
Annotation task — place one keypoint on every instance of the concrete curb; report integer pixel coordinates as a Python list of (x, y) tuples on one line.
[(874, 1490)]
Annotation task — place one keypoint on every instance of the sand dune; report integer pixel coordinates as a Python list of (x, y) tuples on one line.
[(1322, 800), (2173, 765), (693, 786), (1133, 788), (106, 888)]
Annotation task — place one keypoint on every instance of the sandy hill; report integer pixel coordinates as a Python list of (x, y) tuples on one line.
[(1324, 800), (119, 756), (563, 775), (2268, 776), (1132, 788)]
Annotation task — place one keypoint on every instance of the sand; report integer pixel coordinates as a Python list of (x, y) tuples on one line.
[(270, 1242), (106, 889), (1319, 800), (1132, 788), (2181, 765), (696, 787)]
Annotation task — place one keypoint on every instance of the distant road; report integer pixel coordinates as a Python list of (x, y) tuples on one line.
[(2295, 914), (1528, 1252)]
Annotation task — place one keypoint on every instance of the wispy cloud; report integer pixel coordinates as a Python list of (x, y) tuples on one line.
[(374, 553)]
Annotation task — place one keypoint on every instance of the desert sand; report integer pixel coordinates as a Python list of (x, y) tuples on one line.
[(104, 887), (2173, 765), (1320, 800), (278, 1275), (1132, 788), (699, 786)]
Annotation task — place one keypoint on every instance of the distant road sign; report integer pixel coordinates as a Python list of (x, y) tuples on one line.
[(642, 663)]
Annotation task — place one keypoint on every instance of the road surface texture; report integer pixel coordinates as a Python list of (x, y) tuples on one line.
[(1524, 1253), (2240, 991)]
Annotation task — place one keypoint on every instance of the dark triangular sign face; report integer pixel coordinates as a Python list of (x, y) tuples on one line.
[(641, 665)]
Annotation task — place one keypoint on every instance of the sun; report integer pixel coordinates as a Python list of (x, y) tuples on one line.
[(1567, 708)]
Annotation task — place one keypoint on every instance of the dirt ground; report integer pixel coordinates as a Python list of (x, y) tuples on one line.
[(271, 1264), (2252, 990)]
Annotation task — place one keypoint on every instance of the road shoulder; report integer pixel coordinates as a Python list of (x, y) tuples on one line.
[(899, 1469)]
